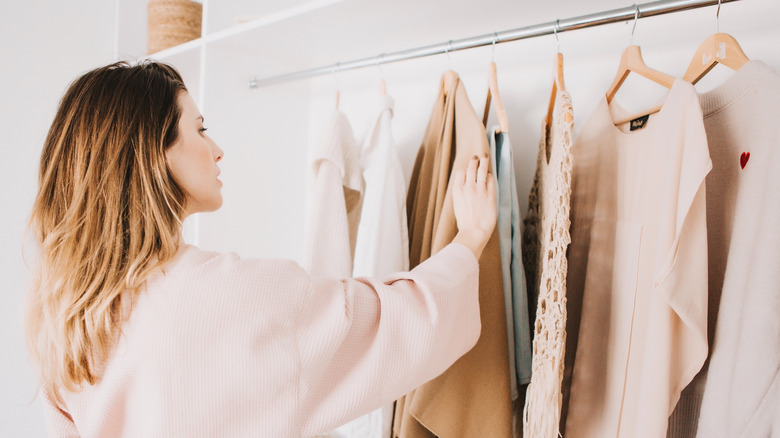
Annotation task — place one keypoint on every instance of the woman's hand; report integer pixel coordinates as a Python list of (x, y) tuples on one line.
[(474, 201)]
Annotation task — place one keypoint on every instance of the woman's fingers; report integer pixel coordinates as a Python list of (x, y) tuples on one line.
[(471, 169), (491, 188), (474, 204), (476, 171), (482, 171)]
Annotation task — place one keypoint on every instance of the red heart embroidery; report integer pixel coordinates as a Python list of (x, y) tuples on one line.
[(744, 159)]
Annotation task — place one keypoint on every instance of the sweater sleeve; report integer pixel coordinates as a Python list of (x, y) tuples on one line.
[(365, 342), (58, 422)]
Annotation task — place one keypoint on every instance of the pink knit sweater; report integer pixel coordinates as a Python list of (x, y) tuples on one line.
[(220, 346)]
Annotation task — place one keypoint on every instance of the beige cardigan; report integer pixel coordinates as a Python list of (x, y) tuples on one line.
[(471, 398)]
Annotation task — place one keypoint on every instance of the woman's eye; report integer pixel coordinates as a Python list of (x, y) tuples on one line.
[(202, 130)]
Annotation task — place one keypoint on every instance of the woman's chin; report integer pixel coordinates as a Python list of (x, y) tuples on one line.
[(209, 207)]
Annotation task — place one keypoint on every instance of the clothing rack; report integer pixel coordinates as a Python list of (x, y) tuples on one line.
[(632, 12)]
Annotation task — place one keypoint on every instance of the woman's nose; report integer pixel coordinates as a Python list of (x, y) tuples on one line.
[(218, 153)]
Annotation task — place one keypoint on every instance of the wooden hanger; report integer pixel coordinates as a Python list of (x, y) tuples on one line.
[(718, 48), (382, 85), (558, 84), (448, 79), (492, 95), (449, 76), (631, 62)]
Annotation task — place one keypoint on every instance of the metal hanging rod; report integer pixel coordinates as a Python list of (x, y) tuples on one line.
[(651, 9)]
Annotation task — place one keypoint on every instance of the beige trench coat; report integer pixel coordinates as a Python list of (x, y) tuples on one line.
[(471, 398)]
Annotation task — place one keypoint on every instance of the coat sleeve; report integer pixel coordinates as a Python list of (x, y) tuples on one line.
[(365, 342)]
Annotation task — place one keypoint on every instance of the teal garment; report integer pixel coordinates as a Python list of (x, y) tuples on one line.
[(510, 235)]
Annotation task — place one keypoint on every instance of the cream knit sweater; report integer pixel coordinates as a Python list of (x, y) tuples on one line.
[(224, 347), (739, 392)]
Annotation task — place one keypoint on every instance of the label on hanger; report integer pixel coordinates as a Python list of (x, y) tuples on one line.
[(639, 122)]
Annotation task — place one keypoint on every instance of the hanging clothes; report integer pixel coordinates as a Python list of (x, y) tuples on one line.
[(639, 263), (545, 240), (334, 201), (739, 392), (472, 398), (382, 246), (383, 235), (512, 271)]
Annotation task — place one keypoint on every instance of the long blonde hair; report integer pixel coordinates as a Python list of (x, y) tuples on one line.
[(107, 213)]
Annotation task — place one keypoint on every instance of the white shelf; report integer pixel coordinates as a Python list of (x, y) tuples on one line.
[(222, 20), (321, 32), (190, 47), (261, 20), (301, 34)]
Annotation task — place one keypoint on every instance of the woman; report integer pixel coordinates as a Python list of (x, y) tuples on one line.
[(140, 335)]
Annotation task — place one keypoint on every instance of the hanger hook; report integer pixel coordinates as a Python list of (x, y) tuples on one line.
[(717, 18), (636, 17), (495, 40), (379, 61), (555, 32), (333, 71), (447, 52)]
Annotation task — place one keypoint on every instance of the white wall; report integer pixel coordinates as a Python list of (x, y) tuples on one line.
[(265, 133), (46, 44)]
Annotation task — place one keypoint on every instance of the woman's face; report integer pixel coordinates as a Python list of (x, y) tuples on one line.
[(193, 160)]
